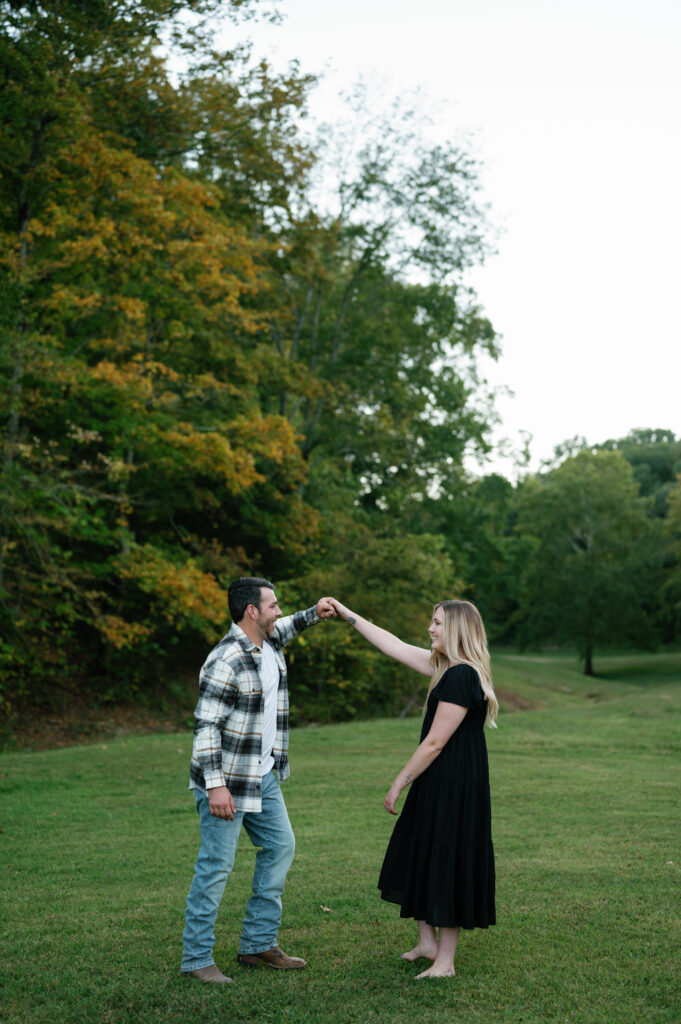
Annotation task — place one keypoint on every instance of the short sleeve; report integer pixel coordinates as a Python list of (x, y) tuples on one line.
[(460, 685)]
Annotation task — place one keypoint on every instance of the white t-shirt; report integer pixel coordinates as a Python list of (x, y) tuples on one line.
[(269, 675)]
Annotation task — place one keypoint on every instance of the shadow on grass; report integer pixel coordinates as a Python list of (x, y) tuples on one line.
[(646, 670)]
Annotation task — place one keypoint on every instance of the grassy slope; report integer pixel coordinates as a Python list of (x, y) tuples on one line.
[(98, 844)]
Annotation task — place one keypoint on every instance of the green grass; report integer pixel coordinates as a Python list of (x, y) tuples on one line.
[(99, 841)]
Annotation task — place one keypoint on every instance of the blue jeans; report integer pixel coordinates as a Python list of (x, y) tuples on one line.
[(270, 830)]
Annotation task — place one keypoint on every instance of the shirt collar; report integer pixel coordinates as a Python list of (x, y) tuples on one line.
[(237, 633)]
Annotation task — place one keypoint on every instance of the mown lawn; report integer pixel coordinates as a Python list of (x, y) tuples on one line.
[(98, 844)]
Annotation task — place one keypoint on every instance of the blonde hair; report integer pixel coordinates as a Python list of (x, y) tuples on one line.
[(465, 643)]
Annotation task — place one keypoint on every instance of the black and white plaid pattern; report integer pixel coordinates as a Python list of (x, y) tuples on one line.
[(228, 731)]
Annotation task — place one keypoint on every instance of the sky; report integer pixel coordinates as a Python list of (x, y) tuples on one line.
[(574, 108)]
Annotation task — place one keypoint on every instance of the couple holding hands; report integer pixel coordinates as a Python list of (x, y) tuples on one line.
[(439, 865)]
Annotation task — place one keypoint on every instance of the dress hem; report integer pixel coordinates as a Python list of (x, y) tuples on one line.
[(435, 924)]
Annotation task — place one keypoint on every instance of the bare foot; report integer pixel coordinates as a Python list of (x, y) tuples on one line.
[(420, 951), (443, 971)]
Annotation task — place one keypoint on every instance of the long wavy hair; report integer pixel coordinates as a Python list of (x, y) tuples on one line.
[(465, 643)]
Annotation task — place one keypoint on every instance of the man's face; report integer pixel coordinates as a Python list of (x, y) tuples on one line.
[(269, 612)]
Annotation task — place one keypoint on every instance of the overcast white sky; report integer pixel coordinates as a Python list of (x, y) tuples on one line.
[(575, 106)]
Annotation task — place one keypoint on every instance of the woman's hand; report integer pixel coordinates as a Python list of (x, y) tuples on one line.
[(391, 798), (447, 720), (341, 611)]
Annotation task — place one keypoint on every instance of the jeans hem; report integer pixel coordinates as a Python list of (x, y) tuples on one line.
[(257, 949), (196, 966)]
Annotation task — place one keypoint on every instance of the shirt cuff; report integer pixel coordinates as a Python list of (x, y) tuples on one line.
[(212, 780)]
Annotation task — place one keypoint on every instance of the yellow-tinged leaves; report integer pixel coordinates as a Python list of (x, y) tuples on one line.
[(184, 592), (132, 307), (128, 377), (241, 452), (138, 294), (121, 633), (143, 246), (210, 453)]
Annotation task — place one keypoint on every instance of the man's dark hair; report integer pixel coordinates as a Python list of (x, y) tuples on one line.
[(245, 591)]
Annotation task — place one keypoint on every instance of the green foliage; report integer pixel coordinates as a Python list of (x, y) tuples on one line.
[(205, 374), (672, 534), (586, 544), (375, 368), (476, 521), (395, 581), (133, 432), (655, 457), (209, 366)]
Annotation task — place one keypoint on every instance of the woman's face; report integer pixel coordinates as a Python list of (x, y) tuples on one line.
[(435, 631)]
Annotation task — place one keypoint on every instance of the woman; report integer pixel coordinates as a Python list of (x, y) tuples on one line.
[(439, 866)]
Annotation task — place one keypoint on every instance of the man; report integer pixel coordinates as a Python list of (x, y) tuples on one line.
[(239, 758)]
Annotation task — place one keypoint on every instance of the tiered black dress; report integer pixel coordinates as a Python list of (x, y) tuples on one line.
[(439, 865)]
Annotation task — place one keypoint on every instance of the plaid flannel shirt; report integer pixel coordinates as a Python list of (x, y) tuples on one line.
[(227, 746)]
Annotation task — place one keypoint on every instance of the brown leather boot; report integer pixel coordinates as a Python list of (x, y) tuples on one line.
[(210, 973), (273, 957)]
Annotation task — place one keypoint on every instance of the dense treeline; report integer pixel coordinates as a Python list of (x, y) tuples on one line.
[(206, 371)]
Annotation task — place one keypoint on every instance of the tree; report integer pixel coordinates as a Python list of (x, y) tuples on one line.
[(586, 545), (134, 445), (207, 372), (655, 456), (476, 520), (376, 334), (672, 584)]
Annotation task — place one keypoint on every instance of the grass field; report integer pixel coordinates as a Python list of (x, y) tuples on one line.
[(98, 844)]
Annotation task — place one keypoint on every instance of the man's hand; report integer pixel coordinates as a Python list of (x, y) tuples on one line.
[(325, 608), (221, 803)]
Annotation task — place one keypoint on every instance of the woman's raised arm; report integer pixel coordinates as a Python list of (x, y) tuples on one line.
[(417, 658)]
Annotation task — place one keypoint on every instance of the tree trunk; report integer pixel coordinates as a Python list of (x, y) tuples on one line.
[(588, 661)]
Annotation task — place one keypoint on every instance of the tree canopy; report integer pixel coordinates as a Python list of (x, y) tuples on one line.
[(584, 532), (205, 373)]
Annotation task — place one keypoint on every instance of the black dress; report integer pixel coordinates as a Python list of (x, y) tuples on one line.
[(439, 865)]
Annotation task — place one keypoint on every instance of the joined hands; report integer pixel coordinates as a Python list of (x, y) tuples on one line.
[(331, 608), (325, 608)]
